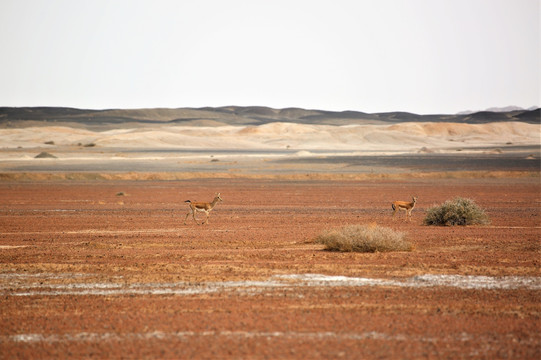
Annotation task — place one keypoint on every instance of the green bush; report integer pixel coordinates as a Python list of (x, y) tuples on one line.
[(459, 211), (363, 238)]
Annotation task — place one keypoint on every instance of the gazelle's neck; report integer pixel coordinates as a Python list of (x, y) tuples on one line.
[(214, 201)]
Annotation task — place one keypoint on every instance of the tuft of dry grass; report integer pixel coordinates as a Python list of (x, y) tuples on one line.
[(364, 238)]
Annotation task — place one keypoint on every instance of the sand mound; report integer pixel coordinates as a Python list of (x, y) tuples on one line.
[(45, 155)]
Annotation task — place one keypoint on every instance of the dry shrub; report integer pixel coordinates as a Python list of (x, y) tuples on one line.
[(363, 238), (459, 211)]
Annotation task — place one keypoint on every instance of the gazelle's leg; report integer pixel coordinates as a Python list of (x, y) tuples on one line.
[(193, 213), (188, 214), (207, 219)]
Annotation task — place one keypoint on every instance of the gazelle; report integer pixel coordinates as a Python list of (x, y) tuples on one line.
[(404, 205), (202, 207)]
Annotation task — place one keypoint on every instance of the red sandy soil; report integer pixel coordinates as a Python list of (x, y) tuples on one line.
[(65, 234)]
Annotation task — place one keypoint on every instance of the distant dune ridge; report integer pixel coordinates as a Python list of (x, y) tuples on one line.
[(236, 115), (263, 128)]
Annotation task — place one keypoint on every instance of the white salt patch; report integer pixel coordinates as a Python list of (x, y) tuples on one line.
[(428, 280), (46, 285), (27, 338), (269, 335), (325, 280), (101, 337), (478, 282), (43, 288)]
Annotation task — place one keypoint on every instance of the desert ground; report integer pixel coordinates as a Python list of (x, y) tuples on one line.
[(96, 261), (108, 269)]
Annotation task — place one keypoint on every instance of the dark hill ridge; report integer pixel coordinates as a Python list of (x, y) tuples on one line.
[(236, 115)]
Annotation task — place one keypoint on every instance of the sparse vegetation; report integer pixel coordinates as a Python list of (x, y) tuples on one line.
[(459, 211), (364, 238)]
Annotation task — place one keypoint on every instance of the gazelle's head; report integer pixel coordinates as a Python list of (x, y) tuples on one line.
[(217, 197), (414, 199)]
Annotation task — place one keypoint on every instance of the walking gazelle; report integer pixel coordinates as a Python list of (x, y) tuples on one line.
[(201, 207), (404, 205)]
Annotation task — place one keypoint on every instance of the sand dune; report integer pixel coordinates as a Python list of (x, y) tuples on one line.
[(402, 137), (237, 116)]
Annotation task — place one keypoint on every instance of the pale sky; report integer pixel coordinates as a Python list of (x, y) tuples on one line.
[(421, 56)]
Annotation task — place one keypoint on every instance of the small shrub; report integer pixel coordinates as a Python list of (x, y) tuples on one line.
[(363, 238), (459, 211)]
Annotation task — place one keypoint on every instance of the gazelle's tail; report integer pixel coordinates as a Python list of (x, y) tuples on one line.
[(188, 201), (393, 206)]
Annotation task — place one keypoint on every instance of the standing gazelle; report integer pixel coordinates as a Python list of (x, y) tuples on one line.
[(202, 207), (404, 205)]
